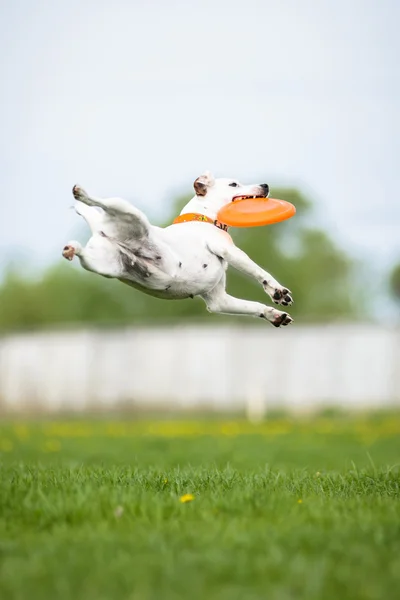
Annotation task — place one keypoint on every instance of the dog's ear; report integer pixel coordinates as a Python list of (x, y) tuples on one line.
[(202, 183)]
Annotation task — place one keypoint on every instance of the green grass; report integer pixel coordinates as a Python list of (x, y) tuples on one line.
[(284, 510)]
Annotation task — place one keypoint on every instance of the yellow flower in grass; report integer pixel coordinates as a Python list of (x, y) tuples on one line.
[(299, 501), (186, 498)]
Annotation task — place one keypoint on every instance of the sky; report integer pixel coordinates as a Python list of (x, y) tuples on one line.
[(136, 99)]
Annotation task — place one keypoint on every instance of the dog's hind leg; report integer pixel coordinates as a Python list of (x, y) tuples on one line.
[(218, 301), (130, 220)]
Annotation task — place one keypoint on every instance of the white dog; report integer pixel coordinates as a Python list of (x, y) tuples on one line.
[(189, 258)]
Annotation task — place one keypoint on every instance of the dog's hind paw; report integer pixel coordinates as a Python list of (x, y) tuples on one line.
[(278, 293), (79, 193)]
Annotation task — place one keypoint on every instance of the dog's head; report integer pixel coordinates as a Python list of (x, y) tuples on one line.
[(215, 193)]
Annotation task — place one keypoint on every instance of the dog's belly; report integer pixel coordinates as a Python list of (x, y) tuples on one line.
[(189, 279), (197, 277), (172, 267)]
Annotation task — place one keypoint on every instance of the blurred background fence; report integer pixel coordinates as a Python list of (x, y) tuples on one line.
[(219, 368)]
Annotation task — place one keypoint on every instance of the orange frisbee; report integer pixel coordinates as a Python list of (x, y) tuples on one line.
[(256, 211)]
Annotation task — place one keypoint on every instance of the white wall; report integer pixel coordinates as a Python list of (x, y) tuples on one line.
[(224, 368)]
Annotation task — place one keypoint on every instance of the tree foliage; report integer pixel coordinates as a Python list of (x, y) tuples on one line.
[(394, 282), (303, 258)]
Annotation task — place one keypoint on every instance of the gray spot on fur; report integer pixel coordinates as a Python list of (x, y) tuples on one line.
[(136, 259), (134, 267)]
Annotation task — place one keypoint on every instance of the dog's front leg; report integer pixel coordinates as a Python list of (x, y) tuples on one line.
[(218, 301), (240, 261)]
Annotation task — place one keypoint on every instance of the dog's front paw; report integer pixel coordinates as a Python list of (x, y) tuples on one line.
[(278, 318), (278, 293), (79, 193)]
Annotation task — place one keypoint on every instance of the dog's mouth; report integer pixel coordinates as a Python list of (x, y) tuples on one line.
[(243, 197)]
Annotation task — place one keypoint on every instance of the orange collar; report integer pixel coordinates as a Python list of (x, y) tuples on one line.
[(198, 217)]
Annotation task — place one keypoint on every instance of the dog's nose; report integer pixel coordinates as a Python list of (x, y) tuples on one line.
[(265, 188)]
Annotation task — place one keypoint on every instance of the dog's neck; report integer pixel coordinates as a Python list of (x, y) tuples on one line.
[(201, 206)]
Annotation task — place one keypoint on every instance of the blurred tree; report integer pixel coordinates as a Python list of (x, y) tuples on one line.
[(394, 282), (304, 259)]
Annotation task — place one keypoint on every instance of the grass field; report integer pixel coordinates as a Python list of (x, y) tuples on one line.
[(206, 509)]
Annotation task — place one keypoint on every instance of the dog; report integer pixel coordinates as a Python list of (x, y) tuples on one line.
[(186, 259)]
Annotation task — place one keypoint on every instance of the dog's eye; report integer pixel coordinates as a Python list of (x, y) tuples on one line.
[(233, 184)]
